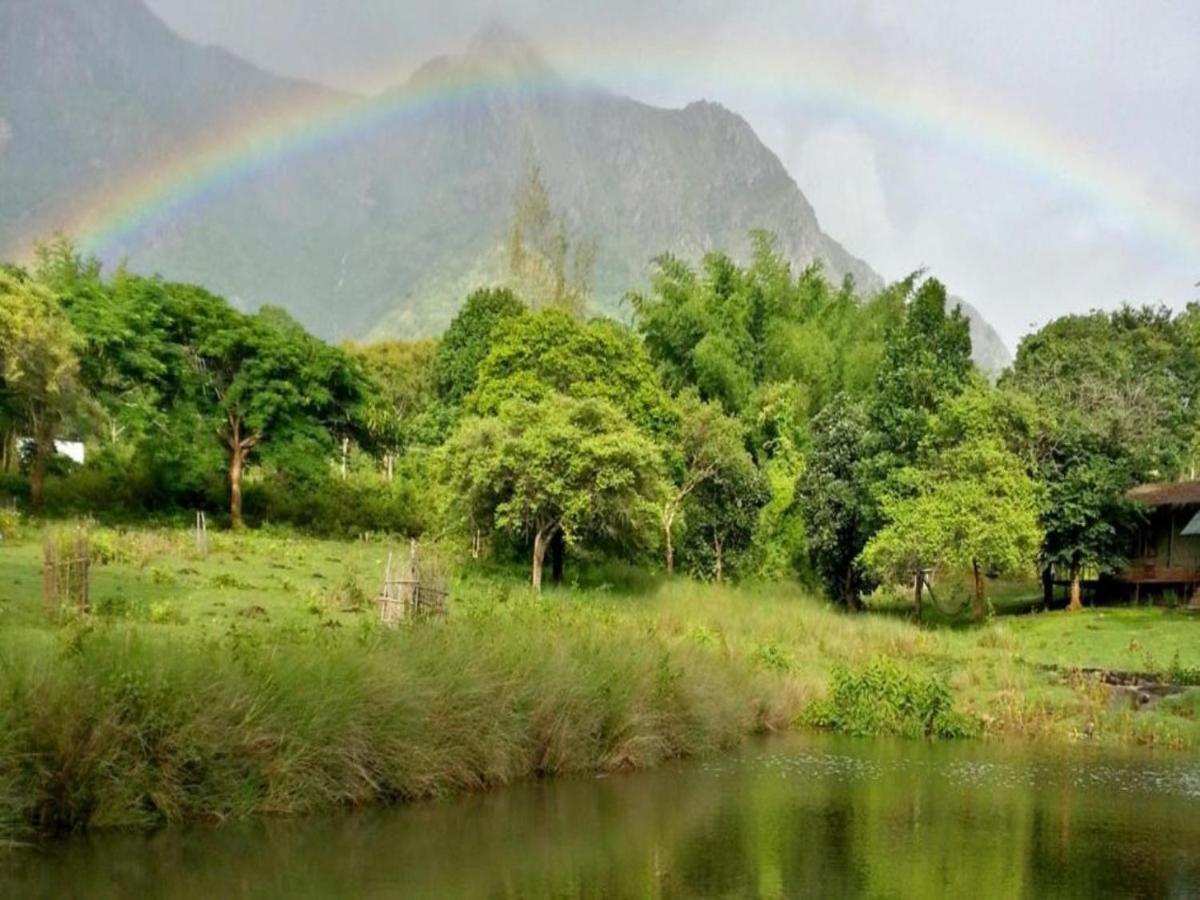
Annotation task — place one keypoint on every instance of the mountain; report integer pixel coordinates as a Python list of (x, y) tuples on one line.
[(91, 89), (381, 226)]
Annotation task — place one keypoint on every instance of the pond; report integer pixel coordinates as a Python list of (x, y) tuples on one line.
[(805, 815)]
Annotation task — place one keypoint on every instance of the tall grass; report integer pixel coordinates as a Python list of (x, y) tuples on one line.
[(108, 721), (121, 726)]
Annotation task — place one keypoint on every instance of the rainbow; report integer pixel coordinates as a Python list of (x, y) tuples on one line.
[(115, 217)]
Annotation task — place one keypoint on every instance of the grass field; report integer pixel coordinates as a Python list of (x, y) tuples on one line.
[(255, 679)]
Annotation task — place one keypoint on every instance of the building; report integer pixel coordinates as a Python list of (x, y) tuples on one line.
[(1166, 554), (72, 450)]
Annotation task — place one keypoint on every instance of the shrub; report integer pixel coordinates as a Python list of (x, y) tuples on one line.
[(885, 699), (773, 657), (1181, 674)]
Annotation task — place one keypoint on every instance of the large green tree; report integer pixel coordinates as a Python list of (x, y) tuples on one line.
[(468, 340), (39, 363), (1116, 392), (266, 375), (927, 360), (721, 517), (709, 450), (553, 466), (544, 353), (836, 499), (973, 505)]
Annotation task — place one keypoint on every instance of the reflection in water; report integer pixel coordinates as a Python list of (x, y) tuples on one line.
[(802, 816)]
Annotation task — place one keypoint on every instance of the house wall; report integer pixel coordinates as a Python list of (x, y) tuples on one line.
[(1161, 545)]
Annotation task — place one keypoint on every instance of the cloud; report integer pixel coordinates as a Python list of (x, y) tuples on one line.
[(837, 168)]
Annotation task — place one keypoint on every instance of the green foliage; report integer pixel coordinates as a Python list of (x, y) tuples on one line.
[(1178, 673), (342, 507), (468, 341), (40, 389), (927, 361), (729, 331), (556, 464), (537, 355), (400, 408), (836, 498), (885, 698), (780, 546), (970, 505), (715, 487), (1123, 381)]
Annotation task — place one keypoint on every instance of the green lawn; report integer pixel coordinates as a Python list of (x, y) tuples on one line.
[(157, 576), (1143, 639)]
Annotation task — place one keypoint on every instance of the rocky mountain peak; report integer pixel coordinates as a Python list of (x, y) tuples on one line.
[(498, 46)]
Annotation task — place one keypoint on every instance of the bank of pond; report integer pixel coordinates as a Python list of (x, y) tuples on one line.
[(802, 815), (252, 678)]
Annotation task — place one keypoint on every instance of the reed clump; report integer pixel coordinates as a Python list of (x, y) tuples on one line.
[(125, 725)]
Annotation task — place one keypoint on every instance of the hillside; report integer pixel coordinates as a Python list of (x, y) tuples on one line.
[(383, 231)]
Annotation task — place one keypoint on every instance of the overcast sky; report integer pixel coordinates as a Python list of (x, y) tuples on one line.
[(1038, 157)]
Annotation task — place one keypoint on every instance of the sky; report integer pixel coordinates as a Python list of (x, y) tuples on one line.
[(1039, 158)]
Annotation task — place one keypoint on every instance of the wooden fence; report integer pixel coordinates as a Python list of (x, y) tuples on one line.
[(66, 569), (413, 590)]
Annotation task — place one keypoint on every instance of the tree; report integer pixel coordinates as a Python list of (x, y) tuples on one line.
[(721, 516), (1128, 379), (1116, 393), (836, 500), (1089, 519), (546, 265), (555, 465), (973, 504), (399, 409), (729, 331), (544, 353), (40, 367), (709, 448), (468, 341), (266, 374), (926, 361)]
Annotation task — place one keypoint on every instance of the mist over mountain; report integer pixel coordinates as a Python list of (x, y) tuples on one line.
[(383, 231)]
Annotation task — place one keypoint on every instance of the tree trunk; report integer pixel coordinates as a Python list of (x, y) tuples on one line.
[(237, 458), (558, 552), (918, 588), (345, 456), (541, 541), (979, 608), (850, 589), (668, 519), (10, 451), (719, 554), (1076, 593), (1048, 587), (43, 446)]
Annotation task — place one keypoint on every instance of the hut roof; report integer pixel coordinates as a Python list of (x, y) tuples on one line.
[(1167, 493)]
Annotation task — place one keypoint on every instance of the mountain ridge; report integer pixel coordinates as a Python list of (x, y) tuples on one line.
[(385, 233)]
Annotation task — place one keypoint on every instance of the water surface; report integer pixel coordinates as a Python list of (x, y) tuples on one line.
[(804, 816)]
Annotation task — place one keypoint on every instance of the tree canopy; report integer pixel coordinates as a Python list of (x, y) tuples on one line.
[(554, 465)]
